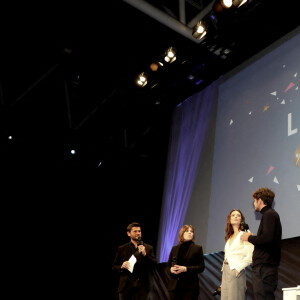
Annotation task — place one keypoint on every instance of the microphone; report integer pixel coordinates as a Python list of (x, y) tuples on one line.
[(139, 241), (217, 291), (244, 226), (174, 261)]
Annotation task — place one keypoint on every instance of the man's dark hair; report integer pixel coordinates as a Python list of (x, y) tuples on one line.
[(265, 194), (133, 224)]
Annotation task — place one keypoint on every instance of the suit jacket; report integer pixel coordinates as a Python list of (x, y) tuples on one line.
[(142, 267), (193, 260)]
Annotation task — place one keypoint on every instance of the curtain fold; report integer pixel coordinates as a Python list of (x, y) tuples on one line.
[(189, 126)]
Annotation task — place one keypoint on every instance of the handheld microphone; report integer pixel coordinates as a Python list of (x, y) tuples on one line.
[(174, 261), (139, 241), (217, 291), (244, 226)]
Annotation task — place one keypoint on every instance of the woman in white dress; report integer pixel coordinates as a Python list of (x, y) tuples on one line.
[(237, 256)]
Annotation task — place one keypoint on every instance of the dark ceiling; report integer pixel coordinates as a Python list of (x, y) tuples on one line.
[(67, 75)]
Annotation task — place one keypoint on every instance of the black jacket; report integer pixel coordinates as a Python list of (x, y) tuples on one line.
[(193, 260), (141, 268)]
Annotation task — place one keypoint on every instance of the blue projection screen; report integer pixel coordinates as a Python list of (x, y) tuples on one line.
[(254, 142), (257, 142)]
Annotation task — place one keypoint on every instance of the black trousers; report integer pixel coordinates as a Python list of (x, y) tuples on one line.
[(134, 291), (264, 280)]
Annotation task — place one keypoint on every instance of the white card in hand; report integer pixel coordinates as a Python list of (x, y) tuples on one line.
[(132, 261)]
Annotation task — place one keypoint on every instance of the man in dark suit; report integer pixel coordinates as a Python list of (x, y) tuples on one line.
[(134, 261), (185, 262)]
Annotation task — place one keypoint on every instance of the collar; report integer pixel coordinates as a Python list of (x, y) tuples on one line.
[(132, 245), (187, 243), (264, 209)]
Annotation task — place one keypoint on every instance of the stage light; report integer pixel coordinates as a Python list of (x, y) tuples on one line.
[(170, 55), (199, 30), (226, 3), (154, 67), (157, 64), (220, 5), (142, 79), (238, 3)]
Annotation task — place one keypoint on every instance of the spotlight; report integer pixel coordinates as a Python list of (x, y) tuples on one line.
[(226, 3), (170, 55), (142, 79), (220, 5), (154, 67), (199, 30), (238, 3)]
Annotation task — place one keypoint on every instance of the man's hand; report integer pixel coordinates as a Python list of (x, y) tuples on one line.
[(125, 265), (245, 236), (142, 249)]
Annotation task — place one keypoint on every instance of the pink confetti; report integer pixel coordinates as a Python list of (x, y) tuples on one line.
[(270, 170), (289, 86)]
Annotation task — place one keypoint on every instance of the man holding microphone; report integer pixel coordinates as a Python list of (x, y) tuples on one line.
[(134, 261)]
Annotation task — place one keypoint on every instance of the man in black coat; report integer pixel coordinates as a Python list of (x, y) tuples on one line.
[(134, 261), (267, 246)]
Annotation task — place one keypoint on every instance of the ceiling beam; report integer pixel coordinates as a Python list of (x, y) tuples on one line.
[(163, 18)]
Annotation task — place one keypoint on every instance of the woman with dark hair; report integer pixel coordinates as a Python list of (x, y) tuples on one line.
[(237, 256), (185, 262)]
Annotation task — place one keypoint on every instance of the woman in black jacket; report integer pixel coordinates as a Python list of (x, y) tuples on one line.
[(185, 262)]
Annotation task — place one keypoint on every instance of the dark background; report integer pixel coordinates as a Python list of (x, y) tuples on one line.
[(67, 80)]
